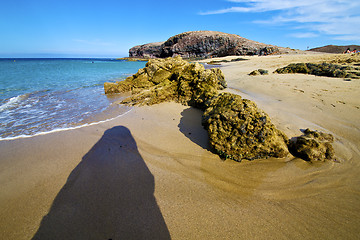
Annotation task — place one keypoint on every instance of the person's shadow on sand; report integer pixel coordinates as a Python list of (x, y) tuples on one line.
[(109, 195)]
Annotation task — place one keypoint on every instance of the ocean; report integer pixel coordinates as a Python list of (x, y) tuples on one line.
[(44, 95)]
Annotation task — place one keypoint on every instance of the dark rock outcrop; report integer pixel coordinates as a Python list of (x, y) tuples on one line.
[(239, 130), (259, 72), (218, 62), (313, 146), (322, 69), (150, 50), (203, 44), (171, 79)]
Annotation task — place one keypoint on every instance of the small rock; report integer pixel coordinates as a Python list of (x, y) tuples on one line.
[(254, 73), (259, 72), (313, 146), (263, 71)]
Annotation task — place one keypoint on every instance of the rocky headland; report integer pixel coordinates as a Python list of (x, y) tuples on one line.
[(237, 128), (335, 48), (205, 44), (150, 50)]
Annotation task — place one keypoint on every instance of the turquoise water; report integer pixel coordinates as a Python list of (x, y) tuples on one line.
[(41, 95)]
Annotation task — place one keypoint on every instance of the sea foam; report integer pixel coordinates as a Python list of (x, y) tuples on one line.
[(12, 102), (64, 129)]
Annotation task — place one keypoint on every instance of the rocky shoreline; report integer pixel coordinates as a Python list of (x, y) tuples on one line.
[(237, 128), (80, 177)]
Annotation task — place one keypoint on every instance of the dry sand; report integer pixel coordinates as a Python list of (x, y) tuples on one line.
[(150, 175)]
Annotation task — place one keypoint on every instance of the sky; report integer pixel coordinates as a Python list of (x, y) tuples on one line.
[(109, 28)]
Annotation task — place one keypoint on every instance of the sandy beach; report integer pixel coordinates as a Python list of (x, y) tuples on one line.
[(150, 174)]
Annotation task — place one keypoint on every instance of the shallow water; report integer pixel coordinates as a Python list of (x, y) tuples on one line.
[(40, 95)]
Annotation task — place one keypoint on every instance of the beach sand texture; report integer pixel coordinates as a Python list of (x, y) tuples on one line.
[(151, 175)]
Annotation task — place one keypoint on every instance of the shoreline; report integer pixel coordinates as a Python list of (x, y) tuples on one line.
[(107, 114), (65, 129), (197, 195), (56, 93)]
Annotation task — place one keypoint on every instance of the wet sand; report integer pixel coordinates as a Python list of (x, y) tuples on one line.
[(150, 174)]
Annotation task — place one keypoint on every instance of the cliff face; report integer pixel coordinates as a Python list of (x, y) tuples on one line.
[(150, 50), (203, 44)]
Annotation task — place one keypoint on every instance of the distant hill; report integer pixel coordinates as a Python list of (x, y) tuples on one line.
[(204, 44), (335, 48)]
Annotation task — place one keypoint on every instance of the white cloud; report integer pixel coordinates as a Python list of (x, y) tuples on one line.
[(304, 35), (340, 18), (227, 10)]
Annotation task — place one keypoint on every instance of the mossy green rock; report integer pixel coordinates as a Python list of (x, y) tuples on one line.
[(239, 130), (170, 79), (313, 146), (322, 69), (255, 73), (259, 72)]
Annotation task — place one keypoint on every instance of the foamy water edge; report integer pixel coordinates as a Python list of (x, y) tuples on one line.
[(65, 129), (11, 102)]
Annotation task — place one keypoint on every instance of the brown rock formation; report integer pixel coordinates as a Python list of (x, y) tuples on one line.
[(203, 44), (150, 50), (335, 48), (313, 146), (259, 72), (171, 79), (324, 69)]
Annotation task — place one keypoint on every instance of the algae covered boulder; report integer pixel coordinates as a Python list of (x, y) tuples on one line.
[(259, 72), (170, 79), (313, 146), (239, 130), (255, 73), (294, 68), (321, 69)]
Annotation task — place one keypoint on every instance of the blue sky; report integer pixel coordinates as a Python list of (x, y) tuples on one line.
[(108, 28)]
